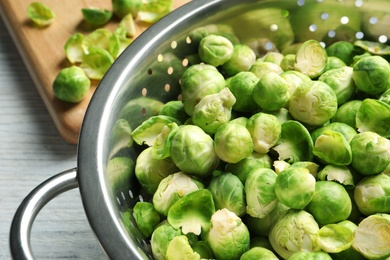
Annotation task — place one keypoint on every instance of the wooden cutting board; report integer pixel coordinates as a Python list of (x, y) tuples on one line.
[(42, 50)]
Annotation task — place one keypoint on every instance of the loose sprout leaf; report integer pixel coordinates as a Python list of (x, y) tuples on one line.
[(97, 62), (118, 42), (179, 248), (40, 14), (73, 48), (153, 10), (376, 48), (334, 238), (128, 25), (96, 16), (162, 144), (97, 38)]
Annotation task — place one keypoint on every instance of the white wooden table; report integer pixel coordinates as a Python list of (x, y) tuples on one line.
[(31, 150)]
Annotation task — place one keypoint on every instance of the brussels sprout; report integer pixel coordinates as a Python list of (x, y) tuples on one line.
[(258, 253), (228, 236), (199, 33), (96, 62), (153, 10), (311, 59), (295, 231), (71, 84), (292, 48), (295, 187), (346, 113), (120, 137), (228, 192), (213, 110), (123, 7), (260, 192), (73, 50), (239, 121), (150, 172), (310, 256), (120, 172), (147, 132), (370, 153), (271, 92), (313, 103), (288, 61), (241, 85), (261, 68), (265, 130), (262, 226), (146, 217), (96, 16), (128, 25), (312, 167), (198, 81), (340, 80), (172, 188), (242, 168), (282, 114), (261, 242), (192, 212), (295, 143), (343, 50), (372, 75), (241, 60), (40, 14), (273, 56), (371, 238), (118, 42), (334, 238), (215, 50), (374, 115), (161, 148), (372, 193), (192, 150), (179, 248), (333, 148), (175, 109), (161, 237), (338, 173), (385, 97), (294, 79), (228, 138), (334, 63), (330, 203)]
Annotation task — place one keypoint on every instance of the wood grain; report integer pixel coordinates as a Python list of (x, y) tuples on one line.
[(43, 53)]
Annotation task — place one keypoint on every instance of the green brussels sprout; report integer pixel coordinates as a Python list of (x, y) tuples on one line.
[(150, 172), (172, 188), (334, 63), (73, 50), (161, 237), (288, 61), (293, 232), (295, 187), (373, 115), (370, 153), (175, 109), (241, 60), (213, 110), (228, 192), (330, 203), (262, 226), (198, 81), (294, 79), (228, 138), (161, 147), (261, 68), (241, 85), (96, 62), (334, 238), (215, 50), (347, 131), (71, 84), (313, 103), (340, 80), (228, 236), (265, 130), (40, 14), (192, 150), (372, 75), (371, 238), (151, 11), (338, 173), (271, 92), (242, 168), (258, 253), (319, 255), (346, 113), (118, 41), (372, 193), (295, 143), (192, 212), (260, 192), (273, 56), (343, 50), (311, 59), (179, 248), (122, 8), (146, 217), (128, 24), (96, 16), (147, 132)]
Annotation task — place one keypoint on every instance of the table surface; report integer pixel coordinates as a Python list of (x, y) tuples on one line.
[(31, 150)]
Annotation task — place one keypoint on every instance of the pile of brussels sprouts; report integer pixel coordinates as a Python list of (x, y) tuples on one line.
[(280, 156)]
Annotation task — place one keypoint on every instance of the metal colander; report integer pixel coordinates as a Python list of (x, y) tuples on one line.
[(151, 69)]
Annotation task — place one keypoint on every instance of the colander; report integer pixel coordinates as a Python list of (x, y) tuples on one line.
[(151, 68)]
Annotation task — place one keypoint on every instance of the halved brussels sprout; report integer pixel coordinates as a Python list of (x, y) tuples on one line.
[(374, 115), (311, 59)]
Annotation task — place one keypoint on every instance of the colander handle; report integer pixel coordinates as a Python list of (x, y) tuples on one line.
[(20, 245)]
